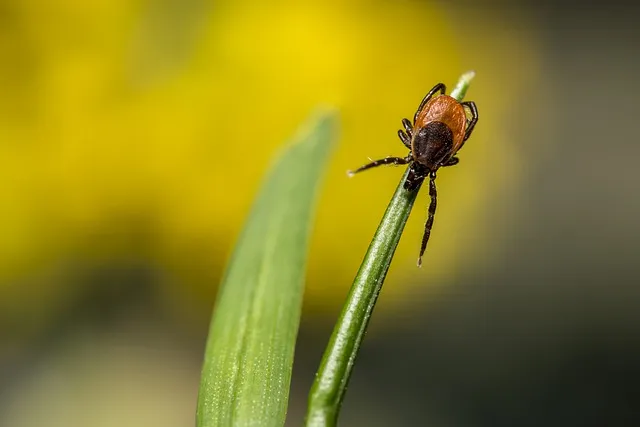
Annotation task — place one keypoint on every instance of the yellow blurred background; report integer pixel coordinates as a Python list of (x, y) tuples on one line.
[(134, 134)]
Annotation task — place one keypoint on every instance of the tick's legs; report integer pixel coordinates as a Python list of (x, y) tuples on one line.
[(474, 118), (431, 214), (407, 126), (452, 161), (439, 87), (385, 161), (416, 176), (406, 139)]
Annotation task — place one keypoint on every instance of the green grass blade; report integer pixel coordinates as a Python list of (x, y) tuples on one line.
[(249, 354), (330, 385)]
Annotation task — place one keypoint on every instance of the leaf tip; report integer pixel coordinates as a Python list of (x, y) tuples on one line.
[(324, 113), (323, 120), (468, 76)]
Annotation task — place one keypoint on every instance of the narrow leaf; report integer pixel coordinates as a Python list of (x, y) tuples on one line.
[(249, 355), (332, 378)]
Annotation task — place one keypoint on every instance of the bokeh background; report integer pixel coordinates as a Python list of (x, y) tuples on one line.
[(133, 135)]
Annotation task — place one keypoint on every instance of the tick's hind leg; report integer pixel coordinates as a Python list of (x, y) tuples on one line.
[(385, 161), (452, 162), (406, 137), (407, 126), (439, 87), (474, 118)]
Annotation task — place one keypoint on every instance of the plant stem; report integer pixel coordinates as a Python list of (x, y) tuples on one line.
[(337, 362)]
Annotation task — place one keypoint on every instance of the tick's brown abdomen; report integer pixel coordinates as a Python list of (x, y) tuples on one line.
[(447, 110)]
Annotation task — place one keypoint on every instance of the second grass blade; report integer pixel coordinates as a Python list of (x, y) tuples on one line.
[(249, 354)]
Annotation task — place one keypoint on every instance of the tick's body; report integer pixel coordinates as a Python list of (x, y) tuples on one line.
[(439, 130)]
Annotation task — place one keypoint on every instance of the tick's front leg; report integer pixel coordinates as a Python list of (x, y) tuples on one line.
[(385, 161)]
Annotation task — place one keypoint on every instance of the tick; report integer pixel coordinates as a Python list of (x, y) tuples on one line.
[(439, 130)]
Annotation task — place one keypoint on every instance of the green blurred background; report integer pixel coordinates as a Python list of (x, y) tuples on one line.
[(133, 136)]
